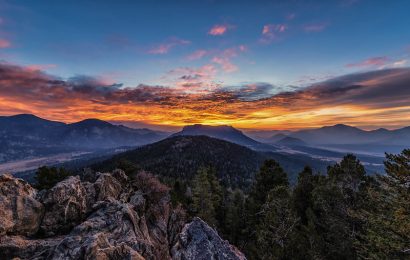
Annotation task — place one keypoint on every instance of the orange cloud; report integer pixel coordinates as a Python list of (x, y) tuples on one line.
[(218, 29), (167, 46), (378, 98)]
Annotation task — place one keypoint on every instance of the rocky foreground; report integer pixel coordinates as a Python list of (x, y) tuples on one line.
[(102, 216)]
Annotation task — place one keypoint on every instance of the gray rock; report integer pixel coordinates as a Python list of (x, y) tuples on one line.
[(199, 241), (105, 219), (20, 212), (65, 206)]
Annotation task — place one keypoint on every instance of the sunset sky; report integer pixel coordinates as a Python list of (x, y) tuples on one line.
[(250, 64)]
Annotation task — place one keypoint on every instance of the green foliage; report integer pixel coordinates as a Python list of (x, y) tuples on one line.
[(47, 177), (344, 214), (387, 215), (235, 219), (206, 195), (276, 226), (270, 176), (127, 166)]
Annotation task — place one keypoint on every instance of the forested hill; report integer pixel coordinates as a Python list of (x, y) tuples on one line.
[(182, 156)]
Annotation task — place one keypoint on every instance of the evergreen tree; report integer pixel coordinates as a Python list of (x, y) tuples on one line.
[(277, 225), (207, 195), (269, 177), (235, 217), (387, 232), (47, 177)]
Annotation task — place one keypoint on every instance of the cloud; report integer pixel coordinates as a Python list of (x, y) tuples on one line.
[(370, 62), (4, 43), (40, 67), (272, 32), (167, 46), (198, 54), (315, 27), (219, 29), (224, 58), (193, 80), (378, 97), (400, 63)]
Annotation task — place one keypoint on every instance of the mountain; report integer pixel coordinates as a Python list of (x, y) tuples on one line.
[(290, 141), (264, 135), (227, 133), (344, 134), (97, 134), (275, 138), (181, 156), (27, 136)]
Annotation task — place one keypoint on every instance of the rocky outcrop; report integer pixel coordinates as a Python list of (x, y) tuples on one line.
[(20, 211), (199, 241), (105, 216), (65, 205)]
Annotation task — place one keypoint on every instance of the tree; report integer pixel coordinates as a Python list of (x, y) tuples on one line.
[(387, 232), (277, 224), (269, 177), (206, 195), (302, 193), (47, 177), (235, 217)]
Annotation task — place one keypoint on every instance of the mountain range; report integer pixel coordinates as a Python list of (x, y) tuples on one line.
[(24, 136), (343, 138)]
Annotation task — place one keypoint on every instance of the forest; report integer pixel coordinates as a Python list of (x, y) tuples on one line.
[(343, 214)]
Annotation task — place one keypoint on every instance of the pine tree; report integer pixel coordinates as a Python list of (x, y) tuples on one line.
[(269, 177), (387, 232), (277, 225)]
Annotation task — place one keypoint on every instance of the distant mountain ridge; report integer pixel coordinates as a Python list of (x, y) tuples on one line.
[(26, 135), (345, 134), (224, 132)]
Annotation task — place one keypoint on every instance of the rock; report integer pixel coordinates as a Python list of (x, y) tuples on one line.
[(12, 247), (106, 187), (199, 241), (110, 217), (112, 225), (65, 206), (176, 222), (20, 212)]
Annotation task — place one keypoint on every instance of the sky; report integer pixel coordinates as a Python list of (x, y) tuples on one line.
[(250, 64)]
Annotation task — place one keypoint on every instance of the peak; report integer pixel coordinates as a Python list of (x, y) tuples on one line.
[(342, 126), (25, 116), (201, 126), (92, 121)]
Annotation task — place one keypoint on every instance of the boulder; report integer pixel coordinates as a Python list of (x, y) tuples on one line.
[(199, 241), (65, 206), (20, 211)]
